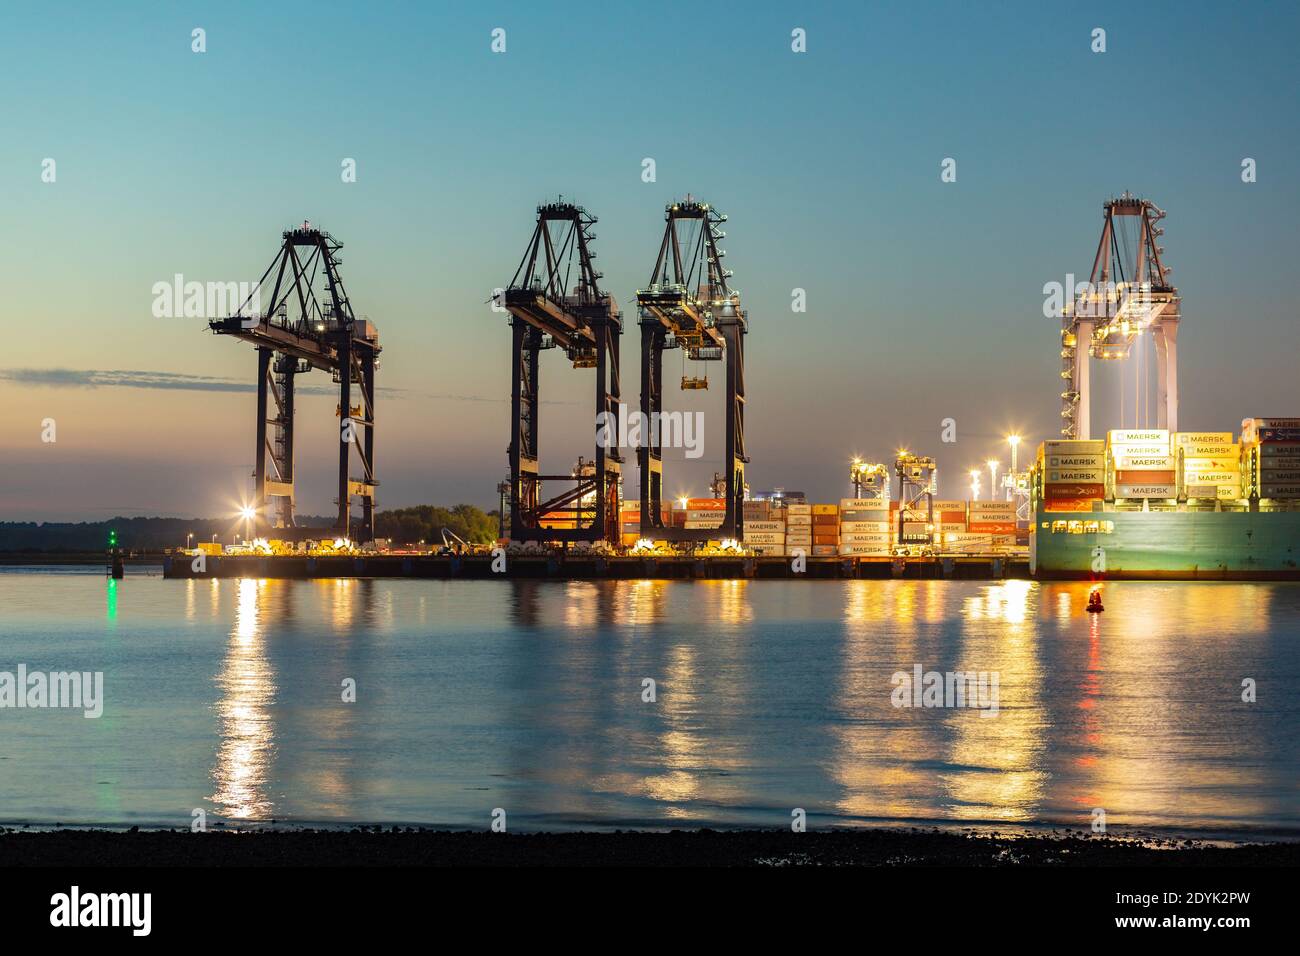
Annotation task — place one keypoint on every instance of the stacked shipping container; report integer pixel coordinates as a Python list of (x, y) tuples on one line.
[(798, 528), (764, 529), (1141, 464), (825, 530), (1209, 466), (1074, 474), (1271, 455), (865, 527)]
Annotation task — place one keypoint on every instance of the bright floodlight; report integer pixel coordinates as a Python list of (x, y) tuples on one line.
[(247, 512)]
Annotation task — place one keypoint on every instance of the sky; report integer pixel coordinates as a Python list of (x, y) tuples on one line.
[(924, 298)]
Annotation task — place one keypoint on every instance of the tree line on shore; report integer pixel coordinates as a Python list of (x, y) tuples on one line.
[(402, 525)]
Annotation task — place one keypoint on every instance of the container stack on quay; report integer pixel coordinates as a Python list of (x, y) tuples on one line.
[(699, 514), (994, 521), (825, 530), (865, 526), (1073, 474), (1271, 460), (1140, 465), (764, 529), (629, 523), (798, 528), (1209, 467)]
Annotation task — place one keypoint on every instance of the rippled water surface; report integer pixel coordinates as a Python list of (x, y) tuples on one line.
[(771, 695)]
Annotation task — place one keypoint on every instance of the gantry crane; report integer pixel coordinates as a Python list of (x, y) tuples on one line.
[(915, 499), (688, 305), (555, 301), (1129, 293), (309, 324), (870, 480)]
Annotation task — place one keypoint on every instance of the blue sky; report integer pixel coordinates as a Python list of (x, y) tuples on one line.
[(924, 298)]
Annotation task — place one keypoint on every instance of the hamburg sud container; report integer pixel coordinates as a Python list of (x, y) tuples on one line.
[(1209, 465), (1140, 464), (1271, 454), (1073, 474)]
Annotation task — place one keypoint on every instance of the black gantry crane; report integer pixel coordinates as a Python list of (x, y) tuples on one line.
[(555, 301), (688, 305), (309, 323)]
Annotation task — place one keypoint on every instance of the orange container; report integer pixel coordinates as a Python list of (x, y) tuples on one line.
[(1144, 477)]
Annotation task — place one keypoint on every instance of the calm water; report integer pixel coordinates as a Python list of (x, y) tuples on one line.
[(226, 696)]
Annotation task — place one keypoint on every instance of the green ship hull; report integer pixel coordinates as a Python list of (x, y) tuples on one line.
[(1209, 546)]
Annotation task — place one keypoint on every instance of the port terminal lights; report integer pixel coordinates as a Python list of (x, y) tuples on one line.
[(1016, 483), (915, 497), (870, 480)]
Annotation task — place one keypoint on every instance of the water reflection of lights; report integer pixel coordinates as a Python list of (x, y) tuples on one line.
[(639, 602), (580, 605), (247, 688), (998, 635), (682, 748), (878, 761), (733, 606), (1008, 602)]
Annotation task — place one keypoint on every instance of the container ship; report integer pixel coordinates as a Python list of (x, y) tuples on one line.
[(1148, 503)]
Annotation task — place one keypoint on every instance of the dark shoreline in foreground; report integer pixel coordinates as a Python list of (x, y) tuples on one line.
[(399, 846)]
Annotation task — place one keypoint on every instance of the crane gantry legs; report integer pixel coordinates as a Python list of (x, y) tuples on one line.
[(555, 301), (308, 327), (688, 305)]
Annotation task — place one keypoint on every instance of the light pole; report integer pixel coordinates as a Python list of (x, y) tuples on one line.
[(975, 484), (993, 477), (188, 538), (1014, 442)]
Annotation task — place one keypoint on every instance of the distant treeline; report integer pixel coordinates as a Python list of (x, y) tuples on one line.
[(403, 525), (425, 523)]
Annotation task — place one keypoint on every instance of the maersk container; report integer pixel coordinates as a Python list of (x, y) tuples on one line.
[(1146, 491), (1143, 436)]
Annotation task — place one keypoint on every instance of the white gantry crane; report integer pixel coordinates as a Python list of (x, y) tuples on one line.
[(1129, 293)]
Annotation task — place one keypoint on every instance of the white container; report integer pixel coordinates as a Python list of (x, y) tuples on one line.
[(881, 539), (1144, 463), (1145, 491), (865, 527), (1188, 439), (862, 504), (1145, 436)]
